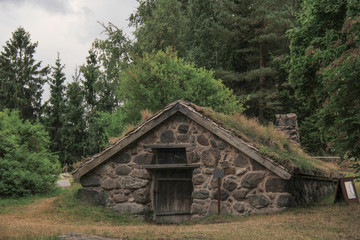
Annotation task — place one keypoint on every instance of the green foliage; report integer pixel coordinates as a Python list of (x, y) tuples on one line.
[(113, 124), (266, 21), (323, 69), (208, 37), (160, 24), (340, 115), (239, 40), (99, 80), (27, 167), (311, 45), (21, 77), (156, 79), (112, 52), (95, 137)]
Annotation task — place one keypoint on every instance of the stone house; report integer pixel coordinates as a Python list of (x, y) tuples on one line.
[(165, 167)]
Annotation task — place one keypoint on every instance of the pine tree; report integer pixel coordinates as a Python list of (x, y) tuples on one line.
[(265, 40), (21, 77)]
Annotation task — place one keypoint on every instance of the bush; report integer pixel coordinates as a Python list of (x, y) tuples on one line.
[(27, 166), (158, 78)]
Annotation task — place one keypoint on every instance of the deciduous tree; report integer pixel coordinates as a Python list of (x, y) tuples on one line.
[(324, 70), (156, 79), (27, 166)]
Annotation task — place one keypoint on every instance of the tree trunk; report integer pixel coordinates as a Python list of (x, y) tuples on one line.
[(261, 83)]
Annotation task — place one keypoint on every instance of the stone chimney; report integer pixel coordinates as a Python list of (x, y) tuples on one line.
[(287, 124)]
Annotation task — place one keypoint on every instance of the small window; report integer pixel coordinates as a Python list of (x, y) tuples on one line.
[(171, 156)]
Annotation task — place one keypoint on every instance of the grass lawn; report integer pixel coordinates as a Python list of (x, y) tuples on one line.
[(46, 217)]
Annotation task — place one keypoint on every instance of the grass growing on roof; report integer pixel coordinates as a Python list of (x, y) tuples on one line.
[(269, 142)]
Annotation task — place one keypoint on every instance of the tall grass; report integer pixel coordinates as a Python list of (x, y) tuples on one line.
[(69, 207), (270, 143), (12, 204)]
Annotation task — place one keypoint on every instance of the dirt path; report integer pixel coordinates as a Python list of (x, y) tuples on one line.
[(329, 222), (65, 179)]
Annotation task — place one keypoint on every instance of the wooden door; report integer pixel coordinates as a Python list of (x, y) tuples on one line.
[(173, 189)]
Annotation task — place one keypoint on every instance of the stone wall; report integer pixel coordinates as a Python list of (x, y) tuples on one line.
[(124, 185), (307, 190)]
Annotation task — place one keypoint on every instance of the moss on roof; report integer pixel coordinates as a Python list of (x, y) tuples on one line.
[(270, 143)]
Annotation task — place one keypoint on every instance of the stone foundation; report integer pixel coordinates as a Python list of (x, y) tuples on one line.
[(307, 190)]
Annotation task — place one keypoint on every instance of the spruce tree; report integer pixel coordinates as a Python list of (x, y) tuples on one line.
[(91, 73), (21, 77), (207, 36), (73, 132), (160, 24), (55, 108)]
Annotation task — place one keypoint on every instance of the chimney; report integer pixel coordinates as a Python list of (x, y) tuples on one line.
[(287, 124)]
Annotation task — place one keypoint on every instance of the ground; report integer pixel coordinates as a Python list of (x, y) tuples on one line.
[(63, 217), (328, 221)]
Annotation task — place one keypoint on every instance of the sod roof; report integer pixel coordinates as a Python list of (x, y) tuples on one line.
[(271, 144), (262, 143)]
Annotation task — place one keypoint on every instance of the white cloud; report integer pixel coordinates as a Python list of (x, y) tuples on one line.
[(65, 26)]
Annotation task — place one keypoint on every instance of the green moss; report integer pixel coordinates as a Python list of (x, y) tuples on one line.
[(270, 143)]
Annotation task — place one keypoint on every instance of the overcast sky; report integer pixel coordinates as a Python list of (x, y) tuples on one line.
[(65, 26)]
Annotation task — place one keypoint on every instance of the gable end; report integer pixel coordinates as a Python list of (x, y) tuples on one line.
[(187, 110)]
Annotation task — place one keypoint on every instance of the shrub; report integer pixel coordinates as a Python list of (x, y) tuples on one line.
[(158, 78), (27, 166)]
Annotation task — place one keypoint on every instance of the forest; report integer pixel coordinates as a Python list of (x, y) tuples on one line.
[(258, 58)]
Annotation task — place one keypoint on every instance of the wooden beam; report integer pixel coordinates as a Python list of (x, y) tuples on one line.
[(319, 178), (236, 142), (169, 145), (174, 179), (125, 142), (170, 166), (172, 213)]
